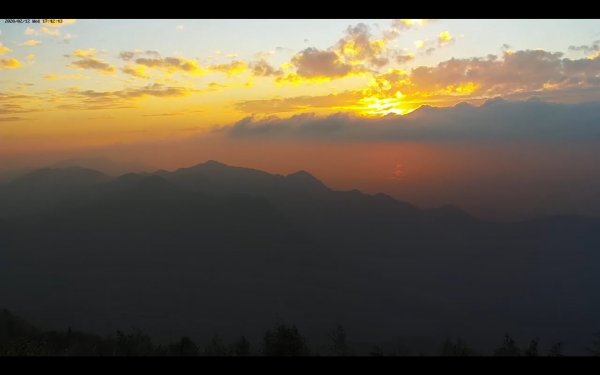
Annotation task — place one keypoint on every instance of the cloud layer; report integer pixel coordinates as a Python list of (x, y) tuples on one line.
[(497, 121)]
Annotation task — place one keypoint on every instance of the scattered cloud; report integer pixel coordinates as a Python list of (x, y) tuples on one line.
[(92, 63), (517, 71), (50, 31), (594, 47), (262, 68), (53, 30), (428, 46), (315, 63), (399, 25), (4, 49), (31, 43), (15, 103), (30, 31), (92, 100), (9, 63), (445, 38), (404, 58), (357, 52), (359, 47), (54, 77), (232, 68), (170, 64), (90, 52), (88, 60), (128, 55), (152, 60), (592, 51), (136, 71), (215, 86)]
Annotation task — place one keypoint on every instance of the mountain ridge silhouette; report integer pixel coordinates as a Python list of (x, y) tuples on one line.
[(213, 248)]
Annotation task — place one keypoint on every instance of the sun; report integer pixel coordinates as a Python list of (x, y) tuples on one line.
[(381, 106)]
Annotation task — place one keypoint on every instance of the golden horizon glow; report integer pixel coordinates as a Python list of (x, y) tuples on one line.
[(62, 88)]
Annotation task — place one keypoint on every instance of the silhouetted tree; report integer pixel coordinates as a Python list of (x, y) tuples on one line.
[(284, 341), (376, 351), (595, 349), (216, 348), (532, 351), (455, 349), (556, 350), (185, 347), (508, 348), (134, 344), (339, 345), (241, 347)]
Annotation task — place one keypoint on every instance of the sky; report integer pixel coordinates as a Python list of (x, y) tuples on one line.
[(430, 111)]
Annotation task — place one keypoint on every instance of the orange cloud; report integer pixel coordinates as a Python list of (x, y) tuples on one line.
[(9, 63), (54, 77), (16, 103), (83, 53), (135, 70), (234, 67)]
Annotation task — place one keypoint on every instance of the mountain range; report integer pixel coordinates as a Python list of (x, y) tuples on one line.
[(220, 249)]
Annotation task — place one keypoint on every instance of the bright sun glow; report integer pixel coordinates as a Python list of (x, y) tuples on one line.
[(378, 106)]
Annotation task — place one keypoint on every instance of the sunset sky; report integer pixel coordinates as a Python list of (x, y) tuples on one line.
[(169, 93)]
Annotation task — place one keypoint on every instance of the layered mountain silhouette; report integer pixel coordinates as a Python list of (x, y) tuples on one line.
[(221, 249)]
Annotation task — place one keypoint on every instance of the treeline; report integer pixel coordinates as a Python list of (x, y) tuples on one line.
[(19, 338)]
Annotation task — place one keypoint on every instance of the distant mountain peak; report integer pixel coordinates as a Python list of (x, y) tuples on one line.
[(213, 163), (305, 180), (301, 174), (209, 164)]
